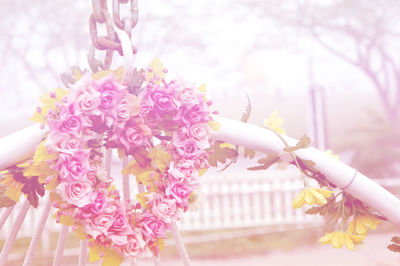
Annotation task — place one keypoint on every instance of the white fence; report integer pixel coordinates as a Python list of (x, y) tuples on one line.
[(228, 201), (249, 201)]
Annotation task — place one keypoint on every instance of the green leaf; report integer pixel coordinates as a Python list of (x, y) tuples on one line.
[(249, 153), (160, 157), (32, 188), (308, 164), (214, 125), (266, 162), (134, 168), (323, 209), (202, 88), (148, 177), (156, 70), (141, 157), (80, 233), (316, 210), (246, 114), (219, 155), (4, 200), (112, 258), (304, 142), (396, 239), (67, 220), (331, 218), (394, 247), (121, 153), (141, 197), (94, 253)]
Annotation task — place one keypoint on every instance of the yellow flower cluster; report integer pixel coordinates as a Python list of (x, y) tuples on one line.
[(14, 187), (355, 233), (275, 122), (340, 238), (360, 223), (311, 196)]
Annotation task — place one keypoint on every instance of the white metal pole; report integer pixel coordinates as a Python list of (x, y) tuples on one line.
[(340, 174), (260, 139), (19, 145)]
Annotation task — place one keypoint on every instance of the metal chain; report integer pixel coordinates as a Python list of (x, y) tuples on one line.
[(110, 42)]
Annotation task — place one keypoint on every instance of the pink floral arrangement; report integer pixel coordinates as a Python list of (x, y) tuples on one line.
[(164, 128)]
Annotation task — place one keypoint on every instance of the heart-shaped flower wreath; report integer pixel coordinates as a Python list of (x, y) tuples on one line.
[(164, 128)]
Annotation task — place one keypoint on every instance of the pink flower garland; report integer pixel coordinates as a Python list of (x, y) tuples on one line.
[(102, 113)]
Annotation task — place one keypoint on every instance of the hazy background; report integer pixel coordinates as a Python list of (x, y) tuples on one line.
[(278, 52)]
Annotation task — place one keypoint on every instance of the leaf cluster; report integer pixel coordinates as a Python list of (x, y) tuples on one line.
[(226, 155), (395, 246), (343, 209), (31, 186)]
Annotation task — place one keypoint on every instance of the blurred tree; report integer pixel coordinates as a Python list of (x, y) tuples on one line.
[(366, 34), (39, 41), (375, 145)]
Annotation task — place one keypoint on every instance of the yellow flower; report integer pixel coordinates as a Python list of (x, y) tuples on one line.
[(340, 238), (226, 145), (275, 122), (311, 196), (157, 71), (359, 224), (214, 125), (49, 101)]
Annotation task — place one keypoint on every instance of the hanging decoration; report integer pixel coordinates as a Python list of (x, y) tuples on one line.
[(164, 128)]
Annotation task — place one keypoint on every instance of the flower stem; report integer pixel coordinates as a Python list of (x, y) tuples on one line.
[(293, 155)]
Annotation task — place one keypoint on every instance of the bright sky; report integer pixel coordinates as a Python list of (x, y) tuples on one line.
[(205, 41)]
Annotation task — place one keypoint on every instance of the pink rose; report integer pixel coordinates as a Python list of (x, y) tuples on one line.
[(89, 101), (120, 240), (122, 111), (63, 142), (76, 193), (188, 96), (201, 134), (183, 171), (98, 204), (163, 100), (152, 226), (180, 135), (91, 228), (189, 149), (73, 167), (92, 176), (111, 208), (195, 114), (165, 209), (180, 192), (120, 224), (146, 105), (70, 123), (135, 244), (86, 97), (110, 91), (103, 222), (159, 103), (132, 137)]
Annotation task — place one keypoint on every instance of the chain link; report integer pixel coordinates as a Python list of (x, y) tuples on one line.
[(109, 42)]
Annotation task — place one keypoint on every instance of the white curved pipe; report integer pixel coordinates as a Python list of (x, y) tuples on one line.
[(20, 145), (340, 174)]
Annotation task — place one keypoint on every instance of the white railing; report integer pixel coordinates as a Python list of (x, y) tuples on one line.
[(229, 200), (249, 201)]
